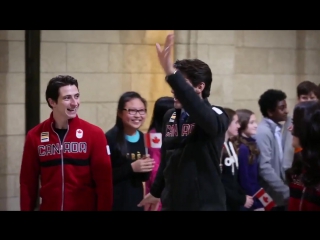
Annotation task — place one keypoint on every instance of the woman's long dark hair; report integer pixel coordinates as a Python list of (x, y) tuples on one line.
[(306, 127), (230, 113), (244, 118), (120, 138), (161, 106)]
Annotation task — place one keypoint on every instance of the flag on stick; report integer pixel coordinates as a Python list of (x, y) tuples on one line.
[(265, 199), (152, 140)]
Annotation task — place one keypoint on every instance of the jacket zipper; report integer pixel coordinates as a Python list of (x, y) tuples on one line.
[(302, 198), (62, 164)]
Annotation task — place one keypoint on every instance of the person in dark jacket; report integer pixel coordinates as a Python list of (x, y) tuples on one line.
[(303, 177), (189, 176), (130, 164), (236, 197)]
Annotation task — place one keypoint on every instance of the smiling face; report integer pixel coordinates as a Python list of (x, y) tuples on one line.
[(67, 104), (134, 114), (251, 127)]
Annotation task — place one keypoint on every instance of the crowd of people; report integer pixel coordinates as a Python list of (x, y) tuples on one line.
[(212, 158)]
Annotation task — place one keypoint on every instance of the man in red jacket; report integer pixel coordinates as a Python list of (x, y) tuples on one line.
[(68, 154)]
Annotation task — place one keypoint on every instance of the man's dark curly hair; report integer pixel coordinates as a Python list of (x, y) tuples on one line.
[(196, 71), (269, 100)]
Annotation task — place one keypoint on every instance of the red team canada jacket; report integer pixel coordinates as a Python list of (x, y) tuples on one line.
[(74, 176)]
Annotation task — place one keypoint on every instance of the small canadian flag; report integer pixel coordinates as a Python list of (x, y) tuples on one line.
[(153, 140), (265, 199)]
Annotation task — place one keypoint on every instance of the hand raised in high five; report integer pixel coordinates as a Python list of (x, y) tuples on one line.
[(164, 55)]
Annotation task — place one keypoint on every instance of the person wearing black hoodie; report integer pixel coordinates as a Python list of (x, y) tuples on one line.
[(236, 198), (189, 176)]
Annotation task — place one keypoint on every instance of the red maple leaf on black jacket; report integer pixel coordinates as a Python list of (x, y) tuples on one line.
[(75, 177)]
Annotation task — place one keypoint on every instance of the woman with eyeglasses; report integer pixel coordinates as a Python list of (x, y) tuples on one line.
[(130, 164)]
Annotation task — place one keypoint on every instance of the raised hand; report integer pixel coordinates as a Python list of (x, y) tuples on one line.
[(164, 55)]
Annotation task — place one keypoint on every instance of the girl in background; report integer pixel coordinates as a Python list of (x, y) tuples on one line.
[(126, 144), (161, 106), (248, 152), (303, 176), (235, 196)]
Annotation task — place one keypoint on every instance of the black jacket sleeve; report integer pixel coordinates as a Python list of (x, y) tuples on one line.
[(141, 176), (234, 195), (213, 120), (158, 184), (120, 172)]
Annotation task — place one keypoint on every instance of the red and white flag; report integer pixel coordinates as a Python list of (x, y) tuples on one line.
[(265, 199), (153, 140)]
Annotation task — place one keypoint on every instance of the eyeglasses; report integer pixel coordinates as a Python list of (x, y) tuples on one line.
[(135, 111)]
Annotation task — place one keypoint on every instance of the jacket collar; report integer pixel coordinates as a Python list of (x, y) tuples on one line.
[(73, 123), (271, 124)]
